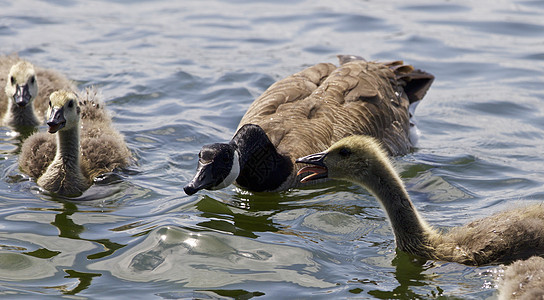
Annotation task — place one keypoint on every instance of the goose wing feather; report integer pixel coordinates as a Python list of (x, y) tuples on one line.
[(308, 111)]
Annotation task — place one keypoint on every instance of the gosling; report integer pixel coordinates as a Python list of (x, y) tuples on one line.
[(25, 101), (58, 164), (501, 238), (524, 279)]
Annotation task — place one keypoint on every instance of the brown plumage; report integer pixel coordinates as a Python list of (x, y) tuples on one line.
[(524, 279), (501, 238), (47, 81), (310, 110), (70, 170)]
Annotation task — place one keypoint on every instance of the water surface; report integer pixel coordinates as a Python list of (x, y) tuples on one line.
[(177, 75)]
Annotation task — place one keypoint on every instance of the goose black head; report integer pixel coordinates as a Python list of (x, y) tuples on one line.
[(218, 167)]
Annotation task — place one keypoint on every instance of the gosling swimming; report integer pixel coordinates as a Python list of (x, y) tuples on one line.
[(524, 279), (307, 112), (64, 165), (501, 238), (26, 92)]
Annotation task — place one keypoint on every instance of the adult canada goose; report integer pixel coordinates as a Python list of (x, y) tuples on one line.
[(524, 279), (58, 164), (501, 238), (307, 112), (26, 91)]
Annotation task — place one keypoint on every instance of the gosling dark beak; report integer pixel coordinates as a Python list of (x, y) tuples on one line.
[(203, 179), (56, 120), (22, 95), (317, 170)]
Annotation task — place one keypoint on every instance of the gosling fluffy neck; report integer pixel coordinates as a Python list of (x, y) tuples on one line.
[(412, 234), (17, 116), (64, 175)]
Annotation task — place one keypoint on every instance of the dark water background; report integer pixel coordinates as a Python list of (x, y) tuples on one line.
[(180, 74)]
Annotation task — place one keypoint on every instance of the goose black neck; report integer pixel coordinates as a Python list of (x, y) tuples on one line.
[(262, 168)]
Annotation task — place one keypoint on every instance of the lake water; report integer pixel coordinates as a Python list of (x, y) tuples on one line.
[(180, 74)]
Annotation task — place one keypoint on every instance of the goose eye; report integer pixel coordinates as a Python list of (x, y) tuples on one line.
[(344, 152), (32, 79), (71, 103), (12, 79)]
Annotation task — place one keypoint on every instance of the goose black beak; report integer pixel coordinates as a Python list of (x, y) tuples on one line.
[(317, 170), (56, 120), (203, 179), (22, 95)]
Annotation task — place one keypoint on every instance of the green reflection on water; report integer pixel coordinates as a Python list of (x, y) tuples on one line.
[(409, 273), (84, 281), (43, 253), (237, 294), (69, 229), (237, 221)]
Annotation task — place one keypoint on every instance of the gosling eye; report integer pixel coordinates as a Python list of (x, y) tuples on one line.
[(32, 79), (71, 103), (12, 79), (49, 104), (344, 152)]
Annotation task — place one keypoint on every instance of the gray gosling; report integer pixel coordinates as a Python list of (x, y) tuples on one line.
[(58, 163), (501, 238), (524, 279), (26, 88)]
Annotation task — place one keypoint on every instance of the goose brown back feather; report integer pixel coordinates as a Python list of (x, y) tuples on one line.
[(308, 111)]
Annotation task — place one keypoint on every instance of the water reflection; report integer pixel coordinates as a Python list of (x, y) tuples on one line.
[(224, 218), (409, 272), (211, 260), (69, 229), (212, 294), (183, 75), (12, 140), (28, 256)]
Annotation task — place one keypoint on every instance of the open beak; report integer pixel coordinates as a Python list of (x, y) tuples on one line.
[(317, 170), (56, 120), (203, 179), (22, 95)]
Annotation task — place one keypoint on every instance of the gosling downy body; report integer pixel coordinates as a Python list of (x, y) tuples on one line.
[(524, 279), (80, 145), (501, 238), (23, 103), (307, 112)]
